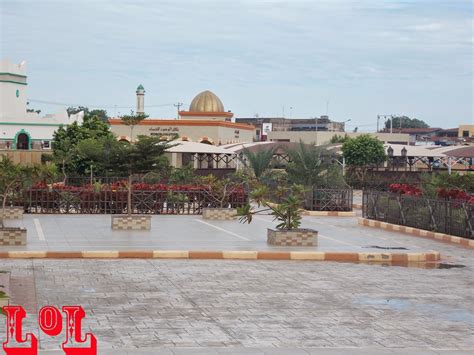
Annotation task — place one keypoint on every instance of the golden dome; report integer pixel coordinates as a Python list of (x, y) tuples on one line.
[(206, 101)]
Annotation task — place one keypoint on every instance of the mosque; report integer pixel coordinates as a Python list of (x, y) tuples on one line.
[(22, 128), (205, 122)]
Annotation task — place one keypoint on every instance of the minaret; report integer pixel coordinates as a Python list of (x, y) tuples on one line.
[(140, 99)]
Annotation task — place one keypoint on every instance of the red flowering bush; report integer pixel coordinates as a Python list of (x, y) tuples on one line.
[(405, 189), (455, 194)]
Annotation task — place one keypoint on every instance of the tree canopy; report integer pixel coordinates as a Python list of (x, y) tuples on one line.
[(66, 140), (99, 113), (406, 122), (259, 161), (363, 151), (312, 166), (107, 155)]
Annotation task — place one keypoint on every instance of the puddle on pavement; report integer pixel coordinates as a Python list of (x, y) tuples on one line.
[(385, 248), (433, 309), (448, 266), (415, 264)]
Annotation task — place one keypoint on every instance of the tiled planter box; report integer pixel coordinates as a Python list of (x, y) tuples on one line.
[(294, 238), (12, 236), (133, 222), (219, 213), (12, 212)]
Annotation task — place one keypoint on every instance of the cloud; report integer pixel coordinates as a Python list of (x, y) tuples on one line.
[(427, 27), (256, 55)]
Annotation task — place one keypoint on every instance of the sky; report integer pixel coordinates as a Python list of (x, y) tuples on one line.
[(350, 59)]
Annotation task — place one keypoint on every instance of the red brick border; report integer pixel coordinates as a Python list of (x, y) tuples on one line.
[(407, 259)]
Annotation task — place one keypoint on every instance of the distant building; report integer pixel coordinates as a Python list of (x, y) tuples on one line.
[(22, 128), (438, 136), (322, 138), (264, 125), (466, 133), (205, 122)]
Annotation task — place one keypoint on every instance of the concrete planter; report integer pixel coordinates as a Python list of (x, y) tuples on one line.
[(12, 212), (294, 237), (219, 213), (133, 222), (12, 236)]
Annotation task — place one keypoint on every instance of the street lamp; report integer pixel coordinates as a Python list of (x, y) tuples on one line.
[(390, 156), (404, 158)]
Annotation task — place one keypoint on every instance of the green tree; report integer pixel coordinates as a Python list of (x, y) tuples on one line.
[(287, 212), (362, 152), (338, 139), (259, 161), (311, 166), (96, 152), (406, 122), (98, 113), (12, 178), (132, 120), (66, 139), (144, 156)]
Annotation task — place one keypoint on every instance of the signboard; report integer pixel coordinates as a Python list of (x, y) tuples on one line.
[(266, 127)]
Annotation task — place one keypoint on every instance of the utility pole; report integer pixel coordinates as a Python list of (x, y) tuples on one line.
[(385, 117), (178, 105)]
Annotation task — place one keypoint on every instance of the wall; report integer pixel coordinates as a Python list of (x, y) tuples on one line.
[(469, 128), (24, 157), (216, 132), (320, 138)]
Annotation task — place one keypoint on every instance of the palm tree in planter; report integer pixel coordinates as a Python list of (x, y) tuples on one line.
[(143, 156), (287, 213), (220, 194), (13, 178)]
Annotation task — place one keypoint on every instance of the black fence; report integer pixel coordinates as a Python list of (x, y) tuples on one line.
[(87, 201), (437, 215), (329, 200), (381, 179)]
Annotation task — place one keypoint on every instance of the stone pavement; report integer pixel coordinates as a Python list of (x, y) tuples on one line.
[(266, 305), (93, 232)]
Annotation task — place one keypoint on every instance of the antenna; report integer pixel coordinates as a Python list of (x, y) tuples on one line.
[(327, 107), (178, 105)]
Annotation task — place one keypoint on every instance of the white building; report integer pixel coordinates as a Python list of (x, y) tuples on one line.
[(20, 129)]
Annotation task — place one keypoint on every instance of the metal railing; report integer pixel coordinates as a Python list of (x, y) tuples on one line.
[(329, 200), (437, 215), (88, 201)]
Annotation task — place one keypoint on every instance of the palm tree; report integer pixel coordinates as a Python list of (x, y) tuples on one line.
[(312, 166), (259, 161)]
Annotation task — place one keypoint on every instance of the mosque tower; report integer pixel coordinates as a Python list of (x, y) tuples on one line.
[(140, 99)]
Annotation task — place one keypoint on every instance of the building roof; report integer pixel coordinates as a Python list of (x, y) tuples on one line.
[(413, 151), (206, 101), (279, 147), (416, 130), (194, 147)]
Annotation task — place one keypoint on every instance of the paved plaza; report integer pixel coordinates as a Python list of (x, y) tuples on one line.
[(93, 232), (246, 307), (255, 304)]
